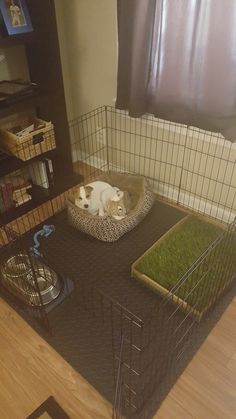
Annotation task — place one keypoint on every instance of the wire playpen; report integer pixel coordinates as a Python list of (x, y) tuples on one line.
[(149, 338)]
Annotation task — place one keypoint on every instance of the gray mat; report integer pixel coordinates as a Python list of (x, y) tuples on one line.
[(79, 335)]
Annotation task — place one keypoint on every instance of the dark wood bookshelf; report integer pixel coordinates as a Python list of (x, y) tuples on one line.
[(17, 105), (40, 195), (48, 103)]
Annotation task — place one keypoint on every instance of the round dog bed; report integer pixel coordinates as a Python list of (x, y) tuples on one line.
[(107, 228)]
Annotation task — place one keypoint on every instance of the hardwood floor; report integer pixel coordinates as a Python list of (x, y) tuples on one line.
[(207, 388), (31, 371)]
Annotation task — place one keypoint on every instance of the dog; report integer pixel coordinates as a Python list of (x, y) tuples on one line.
[(94, 197)]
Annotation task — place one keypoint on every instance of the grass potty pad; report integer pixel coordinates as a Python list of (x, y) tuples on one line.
[(167, 267)]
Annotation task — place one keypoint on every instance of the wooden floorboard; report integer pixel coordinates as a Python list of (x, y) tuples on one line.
[(207, 388), (31, 371)]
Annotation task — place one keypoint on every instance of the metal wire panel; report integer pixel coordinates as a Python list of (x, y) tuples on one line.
[(186, 165), (191, 168), (89, 142), (171, 329)]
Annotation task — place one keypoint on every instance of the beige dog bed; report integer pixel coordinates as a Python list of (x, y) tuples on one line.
[(107, 228)]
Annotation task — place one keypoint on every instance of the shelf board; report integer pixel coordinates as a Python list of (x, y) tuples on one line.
[(13, 40), (9, 164), (39, 196), (18, 105)]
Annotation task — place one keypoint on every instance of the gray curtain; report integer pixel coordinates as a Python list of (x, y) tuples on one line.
[(177, 60)]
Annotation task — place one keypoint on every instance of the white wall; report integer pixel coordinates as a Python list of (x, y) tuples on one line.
[(88, 43)]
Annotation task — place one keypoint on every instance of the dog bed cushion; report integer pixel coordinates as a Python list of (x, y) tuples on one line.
[(107, 228)]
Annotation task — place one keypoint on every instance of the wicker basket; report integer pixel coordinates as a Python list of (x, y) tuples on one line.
[(27, 146)]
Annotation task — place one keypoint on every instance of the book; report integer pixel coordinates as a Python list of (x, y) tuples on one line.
[(17, 180), (2, 208), (49, 170), (7, 195), (4, 195), (9, 188), (38, 174)]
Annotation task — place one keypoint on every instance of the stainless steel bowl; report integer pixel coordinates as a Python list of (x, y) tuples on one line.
[(49, 287), (30, 284)]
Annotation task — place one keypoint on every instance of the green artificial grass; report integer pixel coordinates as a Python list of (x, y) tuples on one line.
[(174, 255)]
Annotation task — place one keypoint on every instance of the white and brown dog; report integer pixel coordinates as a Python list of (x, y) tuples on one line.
[(94, 197)]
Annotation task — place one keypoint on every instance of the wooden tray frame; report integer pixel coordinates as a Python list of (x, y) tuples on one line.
[(164, 291)]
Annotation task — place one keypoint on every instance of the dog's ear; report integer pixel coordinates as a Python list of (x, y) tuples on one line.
[(71, 197), (75, 194), (88, 191)]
